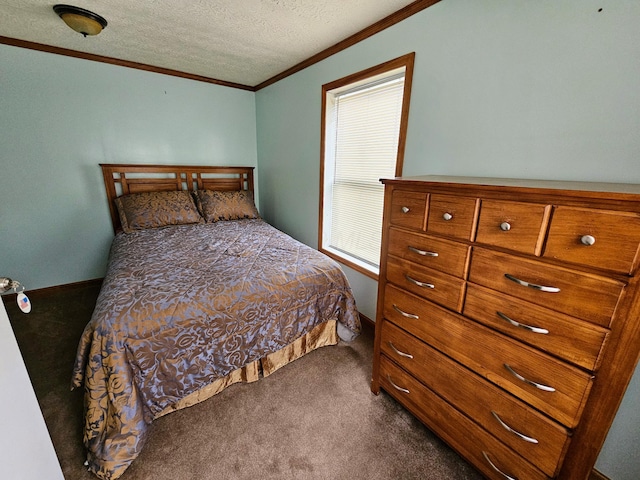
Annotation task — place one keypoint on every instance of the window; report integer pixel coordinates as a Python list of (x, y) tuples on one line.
[(364, 123)]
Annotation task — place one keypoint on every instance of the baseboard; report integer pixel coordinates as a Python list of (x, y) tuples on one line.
[(367, 320), (54, 290), (596, 475)]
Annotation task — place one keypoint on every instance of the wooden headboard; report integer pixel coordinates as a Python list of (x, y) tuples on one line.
[(123, 179)]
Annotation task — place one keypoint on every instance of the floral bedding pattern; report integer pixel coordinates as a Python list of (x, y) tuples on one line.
[(222, 205), (140, 211), (184, 305)]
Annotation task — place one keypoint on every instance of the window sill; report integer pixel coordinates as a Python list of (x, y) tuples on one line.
[(362, 267)]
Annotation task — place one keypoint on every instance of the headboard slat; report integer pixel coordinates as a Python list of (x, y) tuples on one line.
[(124, 179)]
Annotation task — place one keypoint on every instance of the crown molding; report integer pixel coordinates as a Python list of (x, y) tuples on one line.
[(371, 30), (116, 61)]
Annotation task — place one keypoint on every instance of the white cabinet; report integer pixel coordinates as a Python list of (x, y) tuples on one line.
[(26, 451)]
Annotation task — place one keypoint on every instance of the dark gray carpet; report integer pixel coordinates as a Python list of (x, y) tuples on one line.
[(314, 419)]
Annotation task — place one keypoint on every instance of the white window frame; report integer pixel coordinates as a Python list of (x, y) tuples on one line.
[(378, 74)]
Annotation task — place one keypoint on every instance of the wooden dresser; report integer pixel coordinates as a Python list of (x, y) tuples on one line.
[(508, 316)]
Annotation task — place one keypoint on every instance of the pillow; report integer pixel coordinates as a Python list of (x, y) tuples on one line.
[(139, 211), (221, 205)]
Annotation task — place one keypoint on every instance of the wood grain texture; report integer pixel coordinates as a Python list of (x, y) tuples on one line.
[(436, 286), (454, 428), (453, 216), (478, 399), (484, 352), (570, 338), (616, 236), (124, 179), (593, 320), (581, 295), (524, 229), (409, 209), (429, 251)]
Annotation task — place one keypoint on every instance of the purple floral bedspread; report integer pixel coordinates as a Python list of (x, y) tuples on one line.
[(182, 306)]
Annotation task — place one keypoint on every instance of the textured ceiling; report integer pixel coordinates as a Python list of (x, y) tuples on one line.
[(240, 41)]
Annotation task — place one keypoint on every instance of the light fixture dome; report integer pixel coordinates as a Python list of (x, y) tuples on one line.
[(81, 20)]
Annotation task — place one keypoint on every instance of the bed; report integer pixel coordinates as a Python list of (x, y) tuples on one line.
[(200, 293)]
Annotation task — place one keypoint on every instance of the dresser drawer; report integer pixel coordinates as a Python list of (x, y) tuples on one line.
[(470, 440), (442, 255), (436, 286), (514, 225), (452, 215), (495, 357), (550, 300), (589, 297), (408, 209), (541, 441), (596, 238), (574, 340)]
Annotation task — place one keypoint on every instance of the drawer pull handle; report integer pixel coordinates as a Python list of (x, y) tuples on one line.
[(539, 386), (542, 331), (508, 477), (419, 283), (447, 216), (588, 240), (424, 253), (515, 432), (403, 390), (505, 226), (402, 354), (405, 209), (405, 314), (542, 288)]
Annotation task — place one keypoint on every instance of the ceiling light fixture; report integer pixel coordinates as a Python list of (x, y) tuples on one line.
[(81, 20)]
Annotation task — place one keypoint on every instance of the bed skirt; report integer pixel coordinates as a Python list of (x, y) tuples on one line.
[(322, 335)]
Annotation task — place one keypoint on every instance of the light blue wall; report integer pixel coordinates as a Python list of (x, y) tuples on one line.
[(620, 455), (60, 117), (504, 88)]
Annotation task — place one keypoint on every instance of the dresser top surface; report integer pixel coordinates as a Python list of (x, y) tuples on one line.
[(517, 183)]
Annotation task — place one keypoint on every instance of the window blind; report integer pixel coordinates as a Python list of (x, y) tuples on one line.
[(367, 128)]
